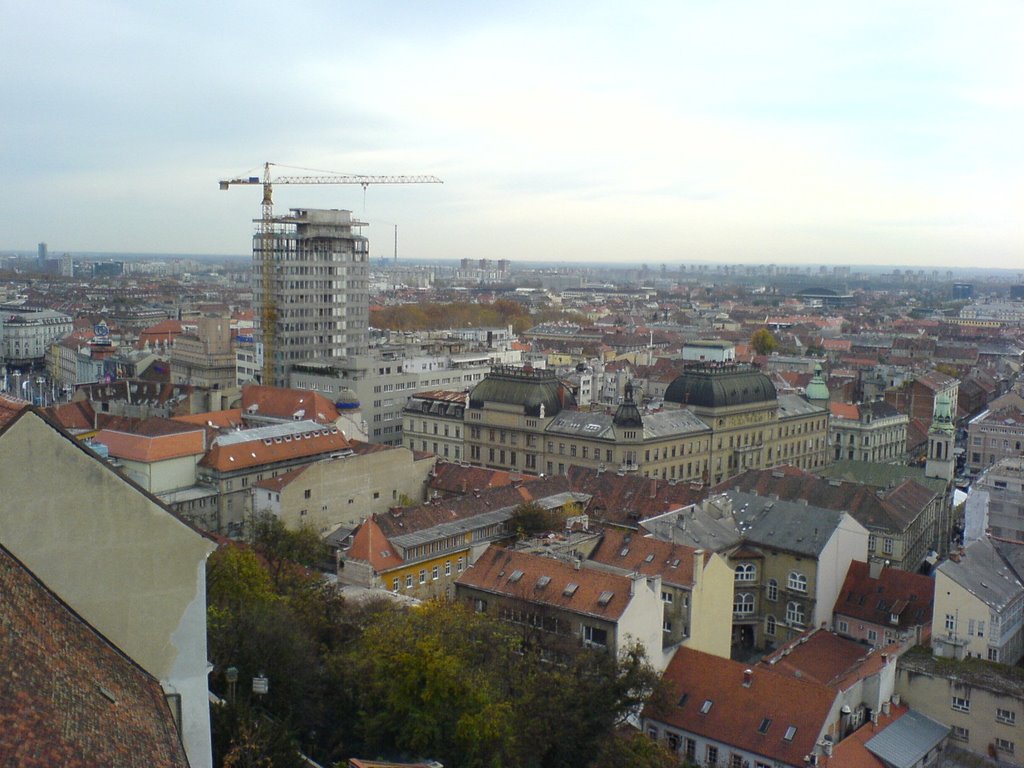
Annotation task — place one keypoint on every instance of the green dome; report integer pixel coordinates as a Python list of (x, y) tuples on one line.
[(817, 389), (533, 389), (705, 386)]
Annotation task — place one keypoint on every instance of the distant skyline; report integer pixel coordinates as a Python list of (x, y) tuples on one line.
[(875, 133)]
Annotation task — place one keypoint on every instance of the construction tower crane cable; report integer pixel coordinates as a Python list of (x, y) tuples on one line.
[(268, 310)]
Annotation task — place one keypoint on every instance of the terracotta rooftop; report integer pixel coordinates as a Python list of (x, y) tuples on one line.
[(70, 697), (844, 411), (227, 419), (547, 581), (151, 448), (826, 658), (77, 416), (910, 596), (709, 698), (10, 407), (626, 499), (371, 545), (851, 752), (254, 452), (649, 556), (281, 403), (459, 479)]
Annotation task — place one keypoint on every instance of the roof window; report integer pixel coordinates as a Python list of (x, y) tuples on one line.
[(516, 576), (790, 733), (706, 706), (605, 598)]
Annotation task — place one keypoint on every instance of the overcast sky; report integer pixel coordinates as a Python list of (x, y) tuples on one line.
[(660, 132)]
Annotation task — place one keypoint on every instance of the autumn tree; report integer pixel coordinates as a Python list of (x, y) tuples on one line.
[(763, 342)]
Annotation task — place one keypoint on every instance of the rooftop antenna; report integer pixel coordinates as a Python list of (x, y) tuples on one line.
[(396, 243)]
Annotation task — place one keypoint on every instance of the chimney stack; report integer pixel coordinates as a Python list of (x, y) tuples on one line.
[(748, 677)]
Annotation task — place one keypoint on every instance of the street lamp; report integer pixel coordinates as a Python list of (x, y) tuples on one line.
[(231, 674)]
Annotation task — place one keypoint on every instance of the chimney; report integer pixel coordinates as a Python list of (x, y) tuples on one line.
[(827, 746), (698, 568), (885, 707), (748, 677), (874, 568), (896, 699), (874, 718), (654, 489)]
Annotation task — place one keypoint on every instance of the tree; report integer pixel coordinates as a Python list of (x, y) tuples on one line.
[(530, 518), (763, 342), (284, 548), (633, 749)]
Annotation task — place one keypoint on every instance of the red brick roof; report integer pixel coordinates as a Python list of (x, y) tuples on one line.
[(910, 596), (256, 452), (228, 419), (649, 556), (371, 545), (737, 714), (626, 499), (70, 697), (281, 403), (519, 574), (457, 479), (10, 407), (826, 658)]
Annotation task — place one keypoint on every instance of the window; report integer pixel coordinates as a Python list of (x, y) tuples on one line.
[(960, 734), (480, 606), (706, 706), (797, 581), (690, 750), (765, 724), (712, 755), (735, 760), (1007, 716), (790, 733), (871, 542), (595, 636), (795, 614), (950, 622), (872, 636), (447, 567), (1004, 745), (435, 573), (981, 629), (743, 604), (395, 584), (423, 576), (746, 572), (842, 626), (961, 705), (666, 597), (772, 591), (666, 625), (307, 493), (408, 581), (769, 626)]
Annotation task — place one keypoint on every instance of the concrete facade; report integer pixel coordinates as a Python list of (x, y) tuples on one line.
[(114, 554)]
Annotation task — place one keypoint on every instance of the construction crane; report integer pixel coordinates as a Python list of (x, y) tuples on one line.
[(268, 313)]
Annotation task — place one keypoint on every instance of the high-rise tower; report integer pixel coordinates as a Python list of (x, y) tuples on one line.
[(320, 291)]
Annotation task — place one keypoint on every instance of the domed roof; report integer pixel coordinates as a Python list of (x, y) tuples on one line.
[(817, 389), (538, 391), (706, 386)]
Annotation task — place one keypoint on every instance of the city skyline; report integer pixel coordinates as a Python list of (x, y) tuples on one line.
[(575, 133)]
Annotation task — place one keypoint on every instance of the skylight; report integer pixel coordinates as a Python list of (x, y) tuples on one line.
[(516, 576), (605, 598), (790, 733), (706, 706), (763, 727), (543, 581), (570, 589)]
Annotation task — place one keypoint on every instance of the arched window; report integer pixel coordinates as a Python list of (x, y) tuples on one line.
[(797, 581), (743, 604), (772, 591), (746, 572), (794, 614), (769, 626)]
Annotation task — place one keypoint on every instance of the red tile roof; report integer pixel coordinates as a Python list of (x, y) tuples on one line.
[(626, 499), (910, 596), (851, 752), (148, 449), (370, 545), (10, 407), (649, 556), (458, 479), (281, 403), (77, 416), (737, 714), (229, 419), (844, 411), (70, 697), (256, 452), (826, 658), (520, 574)]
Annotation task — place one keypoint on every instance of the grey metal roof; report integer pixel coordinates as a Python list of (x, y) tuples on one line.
[(794, 405), (695, 528), (983, 573), (672, 422), (794, 527), (271, 431), (597, 426), (903, 743)]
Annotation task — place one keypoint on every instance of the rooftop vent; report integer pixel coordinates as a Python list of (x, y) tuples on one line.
[(516, 576), (570, 589), (605, 598)]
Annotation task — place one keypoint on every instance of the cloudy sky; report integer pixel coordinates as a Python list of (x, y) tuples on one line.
[(657, 132)]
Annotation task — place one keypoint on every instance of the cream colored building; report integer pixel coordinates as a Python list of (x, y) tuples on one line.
[(340, 492), (982, 703), (979, 603), (116, 556)]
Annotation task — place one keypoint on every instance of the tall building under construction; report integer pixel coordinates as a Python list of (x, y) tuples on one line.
[(319, 288)]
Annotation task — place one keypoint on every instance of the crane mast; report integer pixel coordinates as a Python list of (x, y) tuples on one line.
[(268, 310)]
